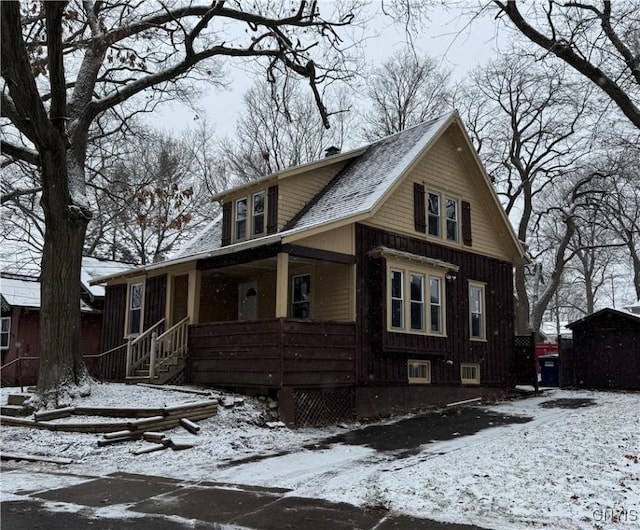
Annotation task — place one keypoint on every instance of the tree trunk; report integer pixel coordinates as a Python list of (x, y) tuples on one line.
[(62, 369)]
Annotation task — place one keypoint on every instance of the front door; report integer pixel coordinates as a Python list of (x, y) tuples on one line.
[(248, 301)]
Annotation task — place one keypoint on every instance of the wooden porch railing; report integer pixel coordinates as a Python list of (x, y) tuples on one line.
[(139, 349), (168, 346)]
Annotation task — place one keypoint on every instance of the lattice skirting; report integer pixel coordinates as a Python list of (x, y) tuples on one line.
[(316, 407)]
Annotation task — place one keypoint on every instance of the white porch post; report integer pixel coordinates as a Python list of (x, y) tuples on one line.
[(282, 284)]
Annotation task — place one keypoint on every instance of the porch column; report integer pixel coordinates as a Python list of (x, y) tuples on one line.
[(194, 296), (282, 284)]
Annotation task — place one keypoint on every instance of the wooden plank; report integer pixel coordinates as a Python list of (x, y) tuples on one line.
[(36, 458), (117, 434), (151, 449), (54, 414), (193, 428), (119, 412)]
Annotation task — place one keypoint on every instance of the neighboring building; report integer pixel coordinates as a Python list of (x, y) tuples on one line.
[(604, 353), (366, 282), (20, 331)]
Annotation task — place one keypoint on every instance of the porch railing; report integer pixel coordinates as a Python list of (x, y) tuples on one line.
[(138, 349), (168, 346)]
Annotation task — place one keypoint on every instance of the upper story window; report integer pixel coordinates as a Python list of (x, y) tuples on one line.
[(406, 296), (477, 319), (433, 209), (241, 219), (257, 217), (452, 219), (435, 305), (301, 296), (134, 313), (441, 216), (5, 333)]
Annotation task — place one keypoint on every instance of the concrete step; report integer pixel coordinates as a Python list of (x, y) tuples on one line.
[(14, 410), (18, 399)]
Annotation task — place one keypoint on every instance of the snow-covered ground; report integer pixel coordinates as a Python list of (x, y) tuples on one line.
[(567, 468)]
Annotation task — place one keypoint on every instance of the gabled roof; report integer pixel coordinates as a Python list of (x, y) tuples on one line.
[(604, 313), (370, 176)]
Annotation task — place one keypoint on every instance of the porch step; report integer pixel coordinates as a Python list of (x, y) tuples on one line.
[(14, 410), (18, 399)]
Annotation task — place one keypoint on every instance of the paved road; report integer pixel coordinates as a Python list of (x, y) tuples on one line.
[(124, 501)]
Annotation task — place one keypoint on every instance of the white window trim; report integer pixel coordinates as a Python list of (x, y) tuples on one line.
[(422, 302), (247, 228), (264, 212), (443, 197), (130, 284), (293, 302), (8, 332), (419, 380), (428, 273), (470, 381), (439, 195), (403, 319), (441, 305), (445, 232), (482, 287)]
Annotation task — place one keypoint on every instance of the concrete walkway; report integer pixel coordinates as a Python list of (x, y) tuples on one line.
[(126, 501)]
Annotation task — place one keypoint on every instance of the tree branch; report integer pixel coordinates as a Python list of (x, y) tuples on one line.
[(20, 153), (568, 55), (6, 197)]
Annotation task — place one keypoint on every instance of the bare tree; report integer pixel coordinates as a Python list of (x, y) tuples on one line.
[(278, 128), (153, 200), (598, 39), (64, 64), (525, 121), (407, 89)]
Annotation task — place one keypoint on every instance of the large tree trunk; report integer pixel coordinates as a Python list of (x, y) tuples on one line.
[(62, 369)]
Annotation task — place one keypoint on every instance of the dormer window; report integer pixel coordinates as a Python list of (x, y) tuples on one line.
[(257, 217), (241, 219)]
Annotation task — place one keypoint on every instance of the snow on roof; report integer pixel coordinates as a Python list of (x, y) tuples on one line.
[(26, 293), (93, 268), (20, 293), (210, 238), (363, 182), (355, 190)]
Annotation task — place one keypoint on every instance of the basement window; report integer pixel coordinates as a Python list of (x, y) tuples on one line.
[(419, 371), (470, 374)]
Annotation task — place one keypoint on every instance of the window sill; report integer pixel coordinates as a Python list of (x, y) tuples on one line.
[(419, 333), (475, 339)]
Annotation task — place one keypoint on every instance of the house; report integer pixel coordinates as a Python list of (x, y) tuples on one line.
[(363, 283), (604, 353), (20, 324)]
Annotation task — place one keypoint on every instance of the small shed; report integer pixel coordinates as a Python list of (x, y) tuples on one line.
[(606, 350)]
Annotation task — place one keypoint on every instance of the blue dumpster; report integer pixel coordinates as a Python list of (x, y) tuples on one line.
[(549, 370)]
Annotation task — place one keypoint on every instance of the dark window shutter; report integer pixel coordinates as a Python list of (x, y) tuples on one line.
[(466, 223), (272, 210), (419, 208), (226, 223)]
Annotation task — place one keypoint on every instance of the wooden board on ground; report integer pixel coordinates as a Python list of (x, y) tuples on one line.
[(36, 458)]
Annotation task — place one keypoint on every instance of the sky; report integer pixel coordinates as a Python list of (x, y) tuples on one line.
[(446, 36)]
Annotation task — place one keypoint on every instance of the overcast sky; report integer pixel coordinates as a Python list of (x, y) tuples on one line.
[(447, 37)]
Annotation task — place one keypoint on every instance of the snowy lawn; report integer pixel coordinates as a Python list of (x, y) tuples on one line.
[(568, 468)]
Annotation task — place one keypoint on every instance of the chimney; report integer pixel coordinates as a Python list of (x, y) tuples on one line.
[(330, 151)]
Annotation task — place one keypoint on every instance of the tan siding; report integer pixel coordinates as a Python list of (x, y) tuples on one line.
[(337, 240), (331, 289), (333, 292), (298, 190), (443, 170)]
